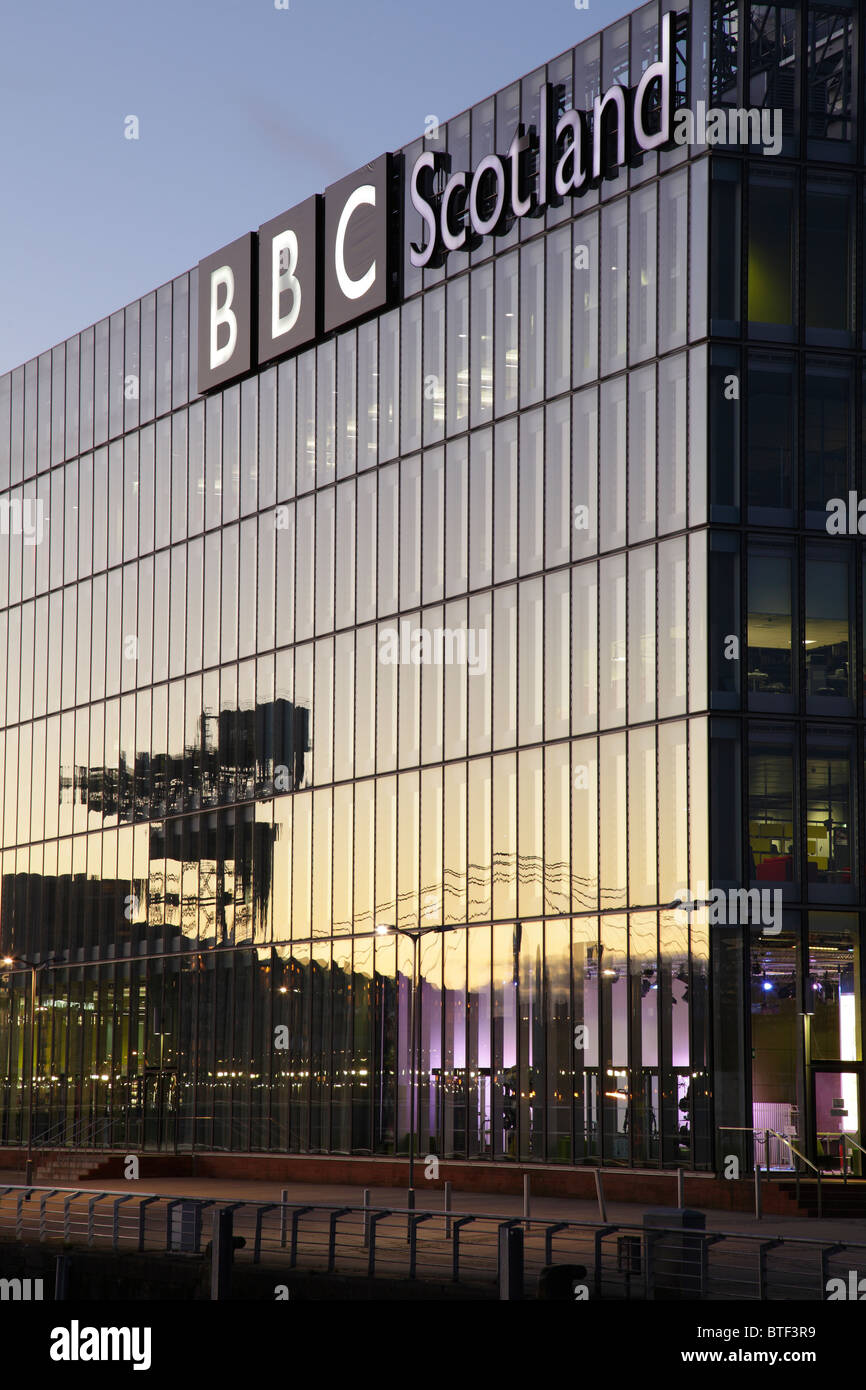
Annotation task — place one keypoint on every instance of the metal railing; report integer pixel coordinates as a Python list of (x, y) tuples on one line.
[(72, 1134), (763, 1136), (622, 1260), (845, 1140)]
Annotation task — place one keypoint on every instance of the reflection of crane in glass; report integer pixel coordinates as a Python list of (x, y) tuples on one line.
[(724, 62), (255, 752)]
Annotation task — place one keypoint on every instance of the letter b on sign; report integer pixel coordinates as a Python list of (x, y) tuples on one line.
[(225, 314), (287, 279)]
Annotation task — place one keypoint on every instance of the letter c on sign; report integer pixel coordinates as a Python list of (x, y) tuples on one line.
[(353, 289)]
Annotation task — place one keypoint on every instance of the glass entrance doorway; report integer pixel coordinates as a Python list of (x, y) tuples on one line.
[(160, 1109), (837, 1114)]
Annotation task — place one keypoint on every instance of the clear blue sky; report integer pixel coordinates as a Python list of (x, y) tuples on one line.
[(244, 110)]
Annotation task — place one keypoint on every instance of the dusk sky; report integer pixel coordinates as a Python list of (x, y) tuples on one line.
[(243, 110)]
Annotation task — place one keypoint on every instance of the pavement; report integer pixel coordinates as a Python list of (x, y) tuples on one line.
[(431, 1197)]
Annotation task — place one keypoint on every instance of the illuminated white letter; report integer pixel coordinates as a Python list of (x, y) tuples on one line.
[(353, 289), (284, 280), (220, 355)]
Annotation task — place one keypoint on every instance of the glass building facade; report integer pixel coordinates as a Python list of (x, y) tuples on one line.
[(602, 443)]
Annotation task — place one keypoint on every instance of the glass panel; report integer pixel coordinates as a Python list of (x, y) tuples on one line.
[(829, 255), (347, 418), (642, 454), (828, 435), (835, 1028), (410, 366), (531, 663), (286, 408), (506, 335), (457, 357), (725, 258), (612, 817), (434, 366), (586, 262), (642, 277), (457, 514), (772, 848), (410, 533), (481, 509), (698, 242), (433, 503), (673, 444), (774, 61), (614, 287), (769, 623), (771, 435), (481, 358), (829, 827), (642, 637), (584, 648), (367, 551), (531, 534), (388, 539), (830, 71), (584, 490), (325, 525), (389, 385), (772, 232), (306, 422), (612, 648), (612, 491), (671, 650), (558, 305), (673, 260), (673, 843), (504, 667), (642, 828), (326, 386), (557, 484), (505, 502), (827, 627), (532, 323)]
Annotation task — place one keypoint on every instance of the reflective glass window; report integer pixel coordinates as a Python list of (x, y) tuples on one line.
[(770, 631), (771, 252)]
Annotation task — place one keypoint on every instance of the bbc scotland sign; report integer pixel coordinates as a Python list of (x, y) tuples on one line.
[(332, 259)]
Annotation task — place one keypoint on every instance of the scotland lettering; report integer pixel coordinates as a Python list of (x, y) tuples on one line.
[(572, 155)]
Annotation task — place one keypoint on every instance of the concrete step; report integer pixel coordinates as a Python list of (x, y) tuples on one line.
[(837, 1198)]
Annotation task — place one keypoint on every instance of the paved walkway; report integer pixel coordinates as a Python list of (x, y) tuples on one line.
[(432, 1196)]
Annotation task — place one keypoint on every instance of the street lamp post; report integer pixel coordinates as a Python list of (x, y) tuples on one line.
[(415, 934), (33, 968)]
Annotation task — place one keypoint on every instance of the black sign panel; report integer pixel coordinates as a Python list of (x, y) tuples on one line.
[(288, 282), (356, 243), (225, 296)]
